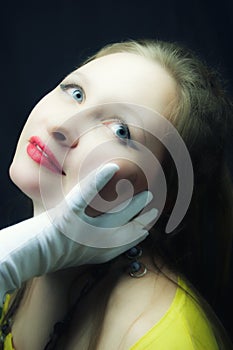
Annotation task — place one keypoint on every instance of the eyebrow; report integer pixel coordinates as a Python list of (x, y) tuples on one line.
[(80, 76)]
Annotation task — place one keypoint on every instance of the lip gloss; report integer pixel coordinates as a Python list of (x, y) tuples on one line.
[(41, 154)]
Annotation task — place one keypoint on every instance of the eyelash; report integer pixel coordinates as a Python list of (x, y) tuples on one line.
[(66, 87)]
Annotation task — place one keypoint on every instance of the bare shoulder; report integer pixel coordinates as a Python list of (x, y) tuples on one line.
[(135, 306)]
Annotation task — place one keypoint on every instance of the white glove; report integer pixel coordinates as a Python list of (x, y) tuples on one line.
[(71, 238)]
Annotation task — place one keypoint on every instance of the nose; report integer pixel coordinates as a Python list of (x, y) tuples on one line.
[(65, 138), (68, 129), (66, 134)]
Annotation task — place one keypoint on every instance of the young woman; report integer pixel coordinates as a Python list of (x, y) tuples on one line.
[(118, 107)]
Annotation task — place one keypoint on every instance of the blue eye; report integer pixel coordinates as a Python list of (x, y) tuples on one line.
[(74, 91), (77, 95), (121, 130)]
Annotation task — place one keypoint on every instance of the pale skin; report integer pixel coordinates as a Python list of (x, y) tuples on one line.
[(124, 78)]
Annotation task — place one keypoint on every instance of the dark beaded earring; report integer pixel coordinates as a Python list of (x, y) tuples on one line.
[(136, 268), (134, 252)]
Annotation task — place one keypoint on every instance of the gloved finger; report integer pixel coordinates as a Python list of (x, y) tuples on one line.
[(124, 235), (83, 193), (146, 218), (123, 213), (104, 237)]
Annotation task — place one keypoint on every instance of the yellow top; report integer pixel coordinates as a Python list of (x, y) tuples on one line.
[(8, 341), (183, 327)]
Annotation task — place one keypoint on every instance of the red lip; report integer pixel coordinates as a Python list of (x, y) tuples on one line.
[(41, 154)]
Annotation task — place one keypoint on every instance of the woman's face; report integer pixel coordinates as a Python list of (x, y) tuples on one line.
[(94, 116)]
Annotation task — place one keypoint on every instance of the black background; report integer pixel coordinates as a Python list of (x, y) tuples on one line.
[(43, 41)]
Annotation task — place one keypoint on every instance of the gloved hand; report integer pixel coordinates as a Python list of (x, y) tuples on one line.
[(65, 236)]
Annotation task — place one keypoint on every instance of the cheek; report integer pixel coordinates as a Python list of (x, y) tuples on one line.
[(128, 181), (129, 178)]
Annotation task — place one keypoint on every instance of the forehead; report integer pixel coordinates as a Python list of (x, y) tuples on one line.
[(130, 78)]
